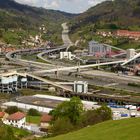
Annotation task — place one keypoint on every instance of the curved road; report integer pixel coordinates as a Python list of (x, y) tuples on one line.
[(66, 40)]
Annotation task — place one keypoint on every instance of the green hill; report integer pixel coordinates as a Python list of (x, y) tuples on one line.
[(127, 129), (18, 21), (111, 14), (15, 15)]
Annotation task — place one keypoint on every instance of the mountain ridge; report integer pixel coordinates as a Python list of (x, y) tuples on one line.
[(121, 13)]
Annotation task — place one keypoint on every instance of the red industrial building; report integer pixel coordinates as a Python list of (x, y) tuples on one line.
[(126, 33)]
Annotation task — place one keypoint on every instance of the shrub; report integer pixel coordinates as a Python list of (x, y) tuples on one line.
[(33, 112), (12, 109)]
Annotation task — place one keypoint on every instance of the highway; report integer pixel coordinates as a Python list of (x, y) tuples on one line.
[(65, 36), (48, 68), (66, 40), (77, 67), (40, 55), (28, 63)]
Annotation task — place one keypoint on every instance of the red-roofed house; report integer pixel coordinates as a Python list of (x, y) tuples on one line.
[(17, 119), (45, 120)]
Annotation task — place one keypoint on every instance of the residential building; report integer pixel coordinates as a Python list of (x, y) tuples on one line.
[(17, 120), (130, 34), (45, 121)]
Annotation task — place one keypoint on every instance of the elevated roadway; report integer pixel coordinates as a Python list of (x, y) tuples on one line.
[(66, 40), (40, 55), (78, 67), (129, 60), (10, 57), (55, 84), (115, 47), (49, 82)]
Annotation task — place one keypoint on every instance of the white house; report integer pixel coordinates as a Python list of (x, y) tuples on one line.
[(17, 120)]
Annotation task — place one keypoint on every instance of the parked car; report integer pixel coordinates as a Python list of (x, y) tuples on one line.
[(133, 114), (138, 109), (130, 107), (124, 115)]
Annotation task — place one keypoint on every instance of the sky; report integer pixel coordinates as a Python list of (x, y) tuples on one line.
[(71, 6)]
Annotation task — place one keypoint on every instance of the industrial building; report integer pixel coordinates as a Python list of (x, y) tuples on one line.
[(66, 55), (99, 50), (131, 53), (80, 87), (10, 82)]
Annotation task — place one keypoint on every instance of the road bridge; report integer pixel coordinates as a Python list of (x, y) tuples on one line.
[(40, 55), (49, 82), (129, 60), (78, 67), (66, 40), (55, 84), (10, 56), (115, 47)]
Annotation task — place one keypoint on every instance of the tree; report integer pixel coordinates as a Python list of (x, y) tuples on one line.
[(95, 116), (33, 112), (61, 126), (90, 117), (72, 109), (12, 109), (75, 110), (105, 113)]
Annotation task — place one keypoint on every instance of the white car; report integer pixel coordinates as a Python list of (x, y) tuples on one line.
[(133, 114), (130, 107)]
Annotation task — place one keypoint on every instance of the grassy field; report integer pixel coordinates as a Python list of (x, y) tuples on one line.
[(20, 132), (33, 119), (11, 133), (127, 129)]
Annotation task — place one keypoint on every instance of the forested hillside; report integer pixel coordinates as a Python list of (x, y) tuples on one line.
[(25, 20), (123, 14)]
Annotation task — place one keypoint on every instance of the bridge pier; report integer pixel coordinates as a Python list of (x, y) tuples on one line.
[(56, 73), (97, 62), (78, 70)]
